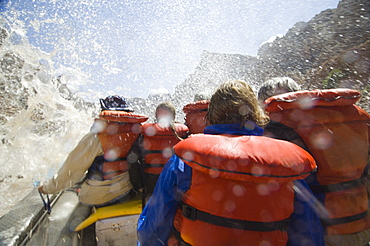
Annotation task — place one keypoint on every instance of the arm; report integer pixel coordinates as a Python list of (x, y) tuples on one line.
[(156, 221), (76, 164), (304, 224)]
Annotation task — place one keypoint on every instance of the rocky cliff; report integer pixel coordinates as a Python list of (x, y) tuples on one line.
[(313, 53), (330, 50)]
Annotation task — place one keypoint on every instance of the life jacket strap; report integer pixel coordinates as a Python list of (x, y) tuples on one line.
[(176, 233), (338, 186), (147, 152), (192, 213), (342, 220), (103, 169), (156, 165), (153, 165)]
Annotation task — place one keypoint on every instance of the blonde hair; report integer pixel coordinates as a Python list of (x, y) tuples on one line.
[(235, 102)]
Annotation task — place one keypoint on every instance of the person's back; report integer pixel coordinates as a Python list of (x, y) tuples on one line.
[(157, 143), (157, 149), (239, 197), (225, 188), (99, 160), (335, 131)]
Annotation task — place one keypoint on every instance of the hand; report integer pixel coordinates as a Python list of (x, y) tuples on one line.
[(41, 190)]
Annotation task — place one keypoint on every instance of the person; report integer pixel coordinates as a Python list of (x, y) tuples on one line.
[(336, 133), (276, 86), (99, 161), (195, 114), (157, 142), (275, 129), (232, 186)]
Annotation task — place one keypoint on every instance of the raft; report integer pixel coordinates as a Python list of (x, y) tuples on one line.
[(69, 223)]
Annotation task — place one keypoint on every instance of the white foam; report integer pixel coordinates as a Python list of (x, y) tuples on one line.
[(37, 139)]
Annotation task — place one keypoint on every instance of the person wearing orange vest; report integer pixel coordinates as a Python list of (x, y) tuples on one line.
[(231, 185), (195, 116), (157, 143), (99, 160), (274, 129), (336, 133)]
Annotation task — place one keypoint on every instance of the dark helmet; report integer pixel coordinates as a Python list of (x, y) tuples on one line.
[(115, 103)]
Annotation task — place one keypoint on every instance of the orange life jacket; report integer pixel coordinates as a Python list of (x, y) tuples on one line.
[(117, 132), (157, 145), (237, 183), (336, 133), (196, 116)]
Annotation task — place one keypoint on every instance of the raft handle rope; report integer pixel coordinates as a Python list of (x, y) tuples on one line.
[(26, 235), (47, 203)]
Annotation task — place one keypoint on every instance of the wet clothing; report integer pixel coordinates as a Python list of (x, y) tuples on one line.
[(336, 133), (182, 184), (156, 148), (99, 161), (157, 145), (74, 170), (117, 139), (277, 130)]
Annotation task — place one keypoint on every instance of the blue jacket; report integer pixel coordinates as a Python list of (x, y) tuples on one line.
[(156, 221)]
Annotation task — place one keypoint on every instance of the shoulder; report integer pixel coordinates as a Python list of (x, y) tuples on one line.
[(90, 142), (280, 131)]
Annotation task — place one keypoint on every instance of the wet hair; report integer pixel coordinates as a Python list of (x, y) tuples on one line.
[(276, 86), (235, 102), (167, 106)]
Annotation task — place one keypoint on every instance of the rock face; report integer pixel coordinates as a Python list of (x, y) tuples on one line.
[(348, 69), (212, 70), (332, 46), (13, 95), (310, 52), (308, 45)]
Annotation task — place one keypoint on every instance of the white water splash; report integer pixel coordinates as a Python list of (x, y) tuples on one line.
[(37, 137)]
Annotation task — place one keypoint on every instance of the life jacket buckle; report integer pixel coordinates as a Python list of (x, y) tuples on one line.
[(189, 212)]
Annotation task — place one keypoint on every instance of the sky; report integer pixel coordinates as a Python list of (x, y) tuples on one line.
[(135, 48)]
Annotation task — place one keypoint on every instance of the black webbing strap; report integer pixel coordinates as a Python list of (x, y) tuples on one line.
[(195, 214), (100, 159), (96, 172), (112, 172), (115, 171), (147, 152), (337, 187), (153, 151), (178, 237), (153, 165), (342, 220)]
